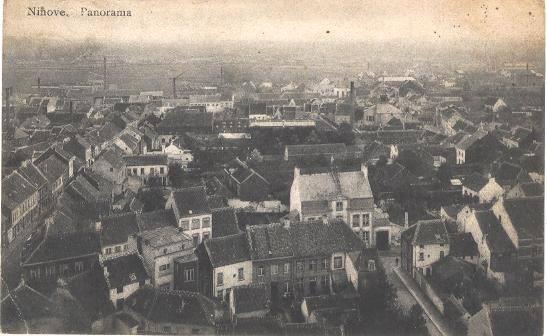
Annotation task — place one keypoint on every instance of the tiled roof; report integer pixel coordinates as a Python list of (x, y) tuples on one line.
[(227, 250), (475, 181), (117, 229), (330, 185), (507, 171), (426, 232), (251, 298), (191, 201), (463, 245), (124, 271), (526, 215), (156, 219), (65, 247), (146, 160), (532, 189), (163, 236), (52, 168), (167, 306), (114, 156), (15, 190), (224, 222), (33, 174), (466, 142), (319, 149), (496, 238), (241, 172)]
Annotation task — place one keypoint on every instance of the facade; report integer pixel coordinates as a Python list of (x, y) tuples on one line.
[(146, 167), (340, 195), (192, 212), (485, 189), (159, 249), (124, 276), (423, 244), (245, 182)]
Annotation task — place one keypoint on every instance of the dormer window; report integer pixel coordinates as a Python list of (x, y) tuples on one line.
[(339, 206)]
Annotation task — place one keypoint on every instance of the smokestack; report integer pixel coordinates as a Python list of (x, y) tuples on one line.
[(221, 75), (174, 88), (38, 83), (352, 91), (71, 107), (406, 219), (104, 73)]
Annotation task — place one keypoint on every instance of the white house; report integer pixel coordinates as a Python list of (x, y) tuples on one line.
[(192, 212), (486, 189)]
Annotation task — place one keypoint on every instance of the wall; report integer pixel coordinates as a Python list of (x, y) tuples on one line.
[(431, 254), (231, 276), (429, 291)]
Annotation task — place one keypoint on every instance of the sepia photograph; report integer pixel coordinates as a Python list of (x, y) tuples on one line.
[(279, 167)]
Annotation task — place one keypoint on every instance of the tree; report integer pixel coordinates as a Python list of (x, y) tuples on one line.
[(444, 174), (345, 133), (255, 156), (415, 322), (312, 138)]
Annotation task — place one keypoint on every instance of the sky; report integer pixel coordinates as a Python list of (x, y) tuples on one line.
[(170, 21)]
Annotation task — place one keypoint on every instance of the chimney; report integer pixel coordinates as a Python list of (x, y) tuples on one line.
[(38, 83), (352, 91), (286, 222), (144, 148), (364, 169), (406, 219), (98, 226), (296, 172), (71, 107)]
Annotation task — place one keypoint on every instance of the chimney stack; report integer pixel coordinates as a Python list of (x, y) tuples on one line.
[(286, 222), (352, 90), (406, 219), (71, 107), (325, 219), (98, 226), (38, 83), (364, 169), (296, 171)]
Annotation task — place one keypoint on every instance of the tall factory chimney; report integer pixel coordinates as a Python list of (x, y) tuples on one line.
[(104, 74), (38, 83)]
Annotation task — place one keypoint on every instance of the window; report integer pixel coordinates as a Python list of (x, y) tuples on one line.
[(240, 275), (300, 266), (35, 273), (313, 266), (142, 171), (164, 251), (205, 235), (195, 238), (164, 267), (338, 262), (287, 287), (195, 223), (128, 171), (185, 224), (366, 236), (50, 271), (220, 279), (275, 269), (167, 329), (441, 254), (117, 249), (421, 246), (162, 170), (125, 247), (260, 271), (300, 284), (206, 222), (189, 274), (372, 265), (421, 257), (134, 171), (366, 219), (79, 266), (219, 294), (119, 290), (108, 250), (325, 264), (286, 268), (339, 206), (325, 281), (356, 219)]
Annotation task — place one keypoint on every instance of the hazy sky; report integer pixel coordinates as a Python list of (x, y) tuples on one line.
[(283, 20)]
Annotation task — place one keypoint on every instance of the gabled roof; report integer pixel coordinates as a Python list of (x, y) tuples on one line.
[(474, 181), (116, 229), (224, 222), (156, 219), (426, 232), (526, 215), (316, 149), (125, 270), (15, 190), (146, 160), (334, 184), (251, 298), (52, 168), (467, 142), (227, 250), (241, 172), (172, 306), (530, 189), (33, 174), (190, 201), (114, 156), (65, 247), (496, 238), (463, 245)]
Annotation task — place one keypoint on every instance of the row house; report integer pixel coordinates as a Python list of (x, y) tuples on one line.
[(291, 259), (61, 256), (340, 195), (146, 167), (192, 213), (36, 177), (19, 207)]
